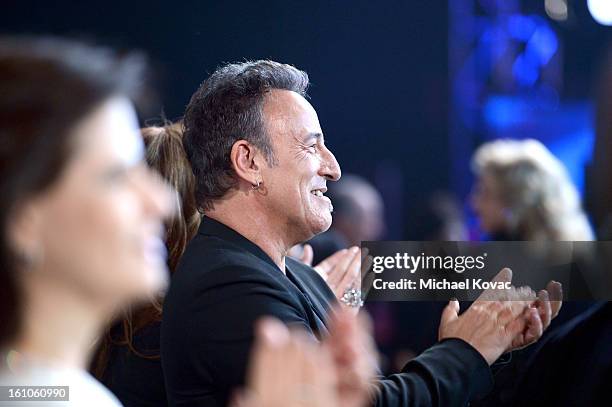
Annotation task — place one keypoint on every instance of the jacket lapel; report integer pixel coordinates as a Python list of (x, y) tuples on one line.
[(318, 303)]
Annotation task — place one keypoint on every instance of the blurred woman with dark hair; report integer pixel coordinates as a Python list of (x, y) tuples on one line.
[(81, 215)]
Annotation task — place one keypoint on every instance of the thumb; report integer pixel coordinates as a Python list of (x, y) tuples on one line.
[(505, 275), (450, 313)]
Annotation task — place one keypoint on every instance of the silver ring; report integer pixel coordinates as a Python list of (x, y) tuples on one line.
[(352, 298)]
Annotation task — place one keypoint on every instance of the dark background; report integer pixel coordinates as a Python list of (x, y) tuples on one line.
[(378, 70)]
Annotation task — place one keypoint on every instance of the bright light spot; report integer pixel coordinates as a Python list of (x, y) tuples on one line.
[(601, 10), (556, 9)]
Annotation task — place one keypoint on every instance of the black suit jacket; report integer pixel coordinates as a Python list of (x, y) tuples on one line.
[(225, 283), (573, 367), (135, 380)]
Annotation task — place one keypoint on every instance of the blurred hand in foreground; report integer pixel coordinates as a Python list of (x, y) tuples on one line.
[(287, 369), (354, 355)]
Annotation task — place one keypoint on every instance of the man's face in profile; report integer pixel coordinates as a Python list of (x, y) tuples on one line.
[(297, 183)]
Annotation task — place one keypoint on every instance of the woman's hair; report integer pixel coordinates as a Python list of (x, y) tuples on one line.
[(166, 155), (47, 85), (541, 201)]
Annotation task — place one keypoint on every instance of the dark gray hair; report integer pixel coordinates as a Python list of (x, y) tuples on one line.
[(226, 108)]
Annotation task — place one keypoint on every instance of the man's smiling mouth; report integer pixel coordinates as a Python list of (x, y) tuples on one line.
[(319, 192)]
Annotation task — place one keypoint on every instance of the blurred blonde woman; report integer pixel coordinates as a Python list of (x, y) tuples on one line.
[(524, 193)]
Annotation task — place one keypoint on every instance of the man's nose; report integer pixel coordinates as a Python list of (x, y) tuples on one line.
[(330, 168)]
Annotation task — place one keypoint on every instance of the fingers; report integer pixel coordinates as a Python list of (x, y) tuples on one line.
[(308, 376), (555, 291), (307, 255), (353, 352), (341, 267), (271, 336), (322, 367), (364, 323), (517, 326), (327, 265), (524, 293), (304, 357), (544, 308), (344, 270), (271, 332), (528, 328), (288, 369), (350, 336), (352, 276), (505, 275), (343, 332), (535, 328)]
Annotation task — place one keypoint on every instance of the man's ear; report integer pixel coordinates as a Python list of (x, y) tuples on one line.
[(246, 160)]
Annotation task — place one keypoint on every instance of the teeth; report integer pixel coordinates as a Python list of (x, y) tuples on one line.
[(317, 192)]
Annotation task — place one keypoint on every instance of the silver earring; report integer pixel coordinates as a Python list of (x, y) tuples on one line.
[(256, 186)]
